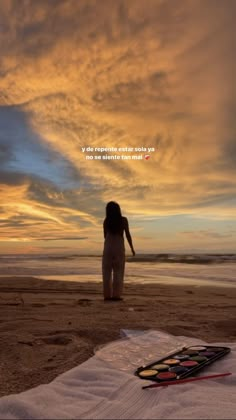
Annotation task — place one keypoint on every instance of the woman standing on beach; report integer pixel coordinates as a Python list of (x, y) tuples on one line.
[(113, 260)]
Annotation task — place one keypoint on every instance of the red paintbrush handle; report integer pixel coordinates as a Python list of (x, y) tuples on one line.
[(182, 381)]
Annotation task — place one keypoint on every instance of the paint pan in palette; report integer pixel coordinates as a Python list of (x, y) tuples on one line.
[(181, 364)]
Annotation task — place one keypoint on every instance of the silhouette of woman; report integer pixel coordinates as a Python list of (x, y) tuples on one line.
[(113, 260)]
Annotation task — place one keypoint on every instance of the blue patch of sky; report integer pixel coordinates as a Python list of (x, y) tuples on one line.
[(28, 154), (38, 161), (181, 223)]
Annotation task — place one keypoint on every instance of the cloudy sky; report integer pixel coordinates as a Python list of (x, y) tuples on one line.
[(117, 73)]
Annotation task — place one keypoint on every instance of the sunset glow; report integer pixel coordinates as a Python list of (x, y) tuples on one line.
[(136, 73)]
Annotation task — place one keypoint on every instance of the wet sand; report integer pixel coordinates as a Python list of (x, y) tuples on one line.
[(49, 327)]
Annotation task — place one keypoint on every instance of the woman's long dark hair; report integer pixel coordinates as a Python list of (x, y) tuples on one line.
[(113, 219)]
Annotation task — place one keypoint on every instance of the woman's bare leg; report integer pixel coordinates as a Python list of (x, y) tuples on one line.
[(106, 277), (118, 266)]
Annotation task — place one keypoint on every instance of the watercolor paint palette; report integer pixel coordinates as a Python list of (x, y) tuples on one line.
[(181, 364)]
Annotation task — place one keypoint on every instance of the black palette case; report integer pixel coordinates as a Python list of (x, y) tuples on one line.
[(182, 364)]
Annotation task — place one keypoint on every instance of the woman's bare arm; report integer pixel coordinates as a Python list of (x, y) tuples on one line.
[(104, 229), (128, 236)]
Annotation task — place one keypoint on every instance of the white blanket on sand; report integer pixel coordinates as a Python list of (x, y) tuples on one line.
[(104, 387)]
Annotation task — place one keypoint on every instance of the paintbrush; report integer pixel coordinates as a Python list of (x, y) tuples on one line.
[(182, 381)]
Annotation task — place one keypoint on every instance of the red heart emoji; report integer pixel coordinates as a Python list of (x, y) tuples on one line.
[(146, 157)]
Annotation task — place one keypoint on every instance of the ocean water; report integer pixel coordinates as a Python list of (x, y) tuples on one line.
[(194, 269)]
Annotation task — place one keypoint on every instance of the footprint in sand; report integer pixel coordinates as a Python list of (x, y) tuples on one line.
[(84, 302), (26, 342), (57, 340)]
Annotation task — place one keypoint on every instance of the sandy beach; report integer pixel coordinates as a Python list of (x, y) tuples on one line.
[(48, 327)]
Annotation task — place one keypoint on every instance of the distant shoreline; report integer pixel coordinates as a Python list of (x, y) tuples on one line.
[(160, 280), (185, 258)]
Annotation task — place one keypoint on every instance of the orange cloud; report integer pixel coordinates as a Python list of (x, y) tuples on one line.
[(143, 73)]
